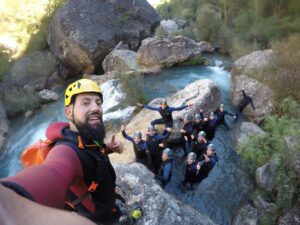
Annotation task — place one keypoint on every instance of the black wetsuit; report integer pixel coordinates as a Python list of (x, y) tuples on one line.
[(199, 148), (207, 167), (210, 127), (245, 101), (165, 172), (221, 117), (156, 151), (190, 175), (166, 114)]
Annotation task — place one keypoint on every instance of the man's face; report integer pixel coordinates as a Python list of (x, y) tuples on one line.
[(151, 132), (164, 157), (209, 152), (86, 116), (197, 120), (221, 109), (200, 139), (163, 105), (190, 161), (136, 139)]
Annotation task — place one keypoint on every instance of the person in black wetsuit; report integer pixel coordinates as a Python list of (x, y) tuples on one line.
[(165, 172), (208, 163), (243, 103), (198, 124), (210, 126), (165, 111), (220, 113), (140, 147), (191, 170), (154, 141), (200, 145), (186, 134)]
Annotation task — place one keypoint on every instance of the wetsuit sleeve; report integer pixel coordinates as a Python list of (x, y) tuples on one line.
[(167, 172), (228, 113), (127, 137), (171, 109), (49, 182), (201, 115), (152, 107), (244, 94), (164, 136)]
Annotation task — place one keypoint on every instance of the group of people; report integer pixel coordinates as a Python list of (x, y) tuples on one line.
[(156, 152), (76, 173)]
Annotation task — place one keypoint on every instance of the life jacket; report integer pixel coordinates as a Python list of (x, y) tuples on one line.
[(96, 168), (166, 114)]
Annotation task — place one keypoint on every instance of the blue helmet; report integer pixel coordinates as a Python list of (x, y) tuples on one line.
[(202, 134), (211, 146), (197, 116), (192, 156)]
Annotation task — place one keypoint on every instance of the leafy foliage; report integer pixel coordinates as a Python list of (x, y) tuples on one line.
[(282, 145), (255, 23)]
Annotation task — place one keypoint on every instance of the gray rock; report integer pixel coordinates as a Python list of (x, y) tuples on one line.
[(252, 61), (120, 61), (203, 94), (158, 206), (262, 95), (247, 215), (33, 70), (165, 52), (266, 176), (83, 32), (170, 26), (293, 150), (48, 95), (263, 206), (291, 217), (3, 125), (246, 130), (205, 47)]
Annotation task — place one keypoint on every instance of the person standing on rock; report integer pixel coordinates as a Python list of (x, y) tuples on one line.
[(165, 171), (191, 170), (77, 169), (243, 103), (140, 147), (210, 126), (154, 142), (220, 113), (165, 111), (206, 165), (200, 145)]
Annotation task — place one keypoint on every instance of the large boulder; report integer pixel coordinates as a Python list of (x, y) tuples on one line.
[(253, 61), (173, 26), (246, 130), (3, 125), (161, 52), (203, 94), (120, 61), (261, 94), (247, 215), (290, 217), (83, 32), (158, 206), (266, 176), (33, 71)]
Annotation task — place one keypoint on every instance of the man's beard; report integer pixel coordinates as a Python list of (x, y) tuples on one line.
[(91, 133)]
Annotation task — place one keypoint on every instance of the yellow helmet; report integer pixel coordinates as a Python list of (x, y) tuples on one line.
[(81, 86)]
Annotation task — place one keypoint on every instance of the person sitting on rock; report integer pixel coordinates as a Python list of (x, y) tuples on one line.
[(206, 165), (198, 124), (220, 113), (140, 147), (191, 171), (165, 111), (200, 145), (154, 143), (243, 103), (165, 171)]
